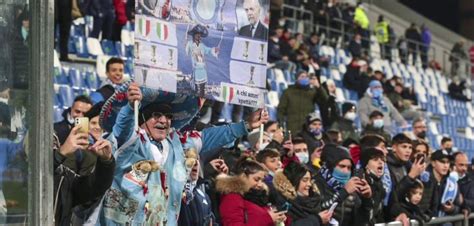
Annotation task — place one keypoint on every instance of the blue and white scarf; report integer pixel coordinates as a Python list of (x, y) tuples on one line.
[(449, 194), (330, 180), (387, 184)]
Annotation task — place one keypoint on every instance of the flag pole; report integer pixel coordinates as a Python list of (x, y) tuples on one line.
[(135, 111)]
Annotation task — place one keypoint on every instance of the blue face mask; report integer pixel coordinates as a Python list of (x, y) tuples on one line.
[(316, 132), (340, 176), (304, 82), (377, 93)]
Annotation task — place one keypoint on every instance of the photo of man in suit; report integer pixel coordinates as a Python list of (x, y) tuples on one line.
[(255, 29)]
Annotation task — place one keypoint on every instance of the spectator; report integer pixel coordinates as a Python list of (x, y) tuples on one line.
[(403, 106), (413, 39), (376, 126), (465, 182), (114, 70), (274, 53), (314, 49), (80, 106), (382, 29), (155, 120), (270, 158), (312, 132), (447, 145), (329, 109), (244, 198), (63, 18), (410, 204), (121, 19), (20, 53), (356, 77), (355, 46), (275, 12), (301, 150), (403, 49), (366, 142), (336, 22), (425, 48), (334, 136), (346, 124), (72, 190), (375, 100), (196, 204), (103, 12), (419, 130), (361, 20), (420, 148), (372, 164), (298, 101), (442, 203), (336, 184), (401, 177), (295, 186), (457, 58), (456, 90)]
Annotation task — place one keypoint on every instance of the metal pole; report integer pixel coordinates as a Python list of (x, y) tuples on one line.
[(40, 154)]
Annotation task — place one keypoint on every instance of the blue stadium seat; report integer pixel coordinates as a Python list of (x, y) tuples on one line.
[(57, 117), (92, 80), (271, 74), (274, 85), (81, 47), (76, 79), (129, 67), (108, 47), (66, 95), (57, 101), (129, 53), (272, 112)]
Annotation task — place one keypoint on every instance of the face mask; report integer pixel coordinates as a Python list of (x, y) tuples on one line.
[(24, 33), (316, 132), (303, 157), (422, 135), (350, 116), (281, 22), (377, 93), (378, 123), (340, 176), (304, 82)]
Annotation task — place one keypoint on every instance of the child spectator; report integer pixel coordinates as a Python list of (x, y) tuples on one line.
[(410, 205)]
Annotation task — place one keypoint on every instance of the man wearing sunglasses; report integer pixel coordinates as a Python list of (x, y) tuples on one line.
[(156, 196)]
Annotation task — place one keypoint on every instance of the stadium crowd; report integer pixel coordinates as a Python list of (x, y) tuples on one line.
[(307, 168)]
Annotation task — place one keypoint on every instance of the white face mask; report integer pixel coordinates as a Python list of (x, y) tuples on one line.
[(350, 116), (378, 123), (303, 157)]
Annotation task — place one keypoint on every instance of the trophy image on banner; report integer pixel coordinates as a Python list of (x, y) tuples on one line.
[(262, 49), (153, 53), (246, 50), (252, 71), (144, 75), (170, 60), (137, 52)]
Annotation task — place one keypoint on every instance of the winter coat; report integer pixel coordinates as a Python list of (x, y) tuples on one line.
[(355, 80), (355, 48), (466, 187), (351, 209), (399, 175), (71, 189), (63, 128), (378, 194), (329, 111), (120, 11), (310, 140), (413, 38), (304, 211), (366, 108), (297, 102), (197, 211), (432, 195), (237, 211), (274, 53), (415, 212), (132, 191)]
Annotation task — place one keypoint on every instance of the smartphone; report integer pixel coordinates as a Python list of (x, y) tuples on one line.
[(422, 157), (285, 207), (333, 207), (83, 122)]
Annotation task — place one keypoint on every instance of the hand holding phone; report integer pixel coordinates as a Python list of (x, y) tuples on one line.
[(333, 207), (83, 124)]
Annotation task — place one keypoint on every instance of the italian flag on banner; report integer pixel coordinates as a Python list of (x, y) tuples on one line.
[(162, 31), (144, 26), (227, 93)]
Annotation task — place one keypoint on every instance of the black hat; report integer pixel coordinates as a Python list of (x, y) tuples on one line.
[(440, 154), (347, 106), (147, 112), (367, 154), (199, 29), (94, 111), (333, 154), (294, 171), (375, 114)]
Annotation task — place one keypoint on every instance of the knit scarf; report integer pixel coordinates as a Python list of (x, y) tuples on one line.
[(379, 103), (257, 196), (326, 174)]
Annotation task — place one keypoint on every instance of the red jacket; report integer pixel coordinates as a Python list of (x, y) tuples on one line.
[(235, 210), (121, 16)]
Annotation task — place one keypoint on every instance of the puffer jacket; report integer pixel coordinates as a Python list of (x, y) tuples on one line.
[(196, 209)]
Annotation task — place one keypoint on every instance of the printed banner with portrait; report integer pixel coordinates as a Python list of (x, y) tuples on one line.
[(216, 49)]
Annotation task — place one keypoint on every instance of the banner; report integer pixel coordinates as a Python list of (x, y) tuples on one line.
[(212, 48)]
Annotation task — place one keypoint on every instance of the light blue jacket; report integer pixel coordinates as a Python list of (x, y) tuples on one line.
[(125, 201)]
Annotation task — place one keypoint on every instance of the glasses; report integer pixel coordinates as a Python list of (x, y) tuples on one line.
[(157, 115)]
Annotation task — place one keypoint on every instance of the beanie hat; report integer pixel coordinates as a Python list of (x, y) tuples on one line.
[(312, 117), (148, 111), (374, 83), (367, 154), (294, 171), (333, 154), (94, 111), (347, 106)]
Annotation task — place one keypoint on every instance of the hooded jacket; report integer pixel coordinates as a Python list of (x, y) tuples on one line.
[(303, 211), (198, 210), (234, 209), (466, 187), (399, 175), (366, 108)]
